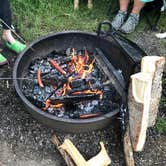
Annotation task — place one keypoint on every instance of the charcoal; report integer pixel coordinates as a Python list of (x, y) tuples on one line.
[(60, 114), (75, 105), (79, 89), (77, 83), (68, 51), (74, 115), (38, 103), (48, 89), (74, 98), (50, 110), (50, 81), (88, 108)]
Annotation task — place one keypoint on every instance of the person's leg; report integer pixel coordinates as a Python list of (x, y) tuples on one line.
[(5, 15), (138, 5), (121, 15), (133, 19), (124, 5)]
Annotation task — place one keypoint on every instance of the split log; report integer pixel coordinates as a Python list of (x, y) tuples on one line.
[(66, 157), (143, 99), (139, 104), (101, 159), (127, 148), (154, 65), (73, 152)]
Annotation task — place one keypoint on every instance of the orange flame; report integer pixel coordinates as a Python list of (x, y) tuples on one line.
[(56, 105), (47, 104), (82, 68), (66, 86), (81, 64), (95, 91)]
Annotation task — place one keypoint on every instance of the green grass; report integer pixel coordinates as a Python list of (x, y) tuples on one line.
[(39, 17), (161, 126), (36, 18)]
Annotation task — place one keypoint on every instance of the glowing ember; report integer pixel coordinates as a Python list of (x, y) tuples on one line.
[(71, 86)]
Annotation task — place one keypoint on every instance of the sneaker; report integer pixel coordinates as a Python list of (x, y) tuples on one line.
[(130, 24), (119, 19)]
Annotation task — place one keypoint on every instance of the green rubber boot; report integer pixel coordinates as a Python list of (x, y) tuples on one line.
[(3, 60), (17, 46)]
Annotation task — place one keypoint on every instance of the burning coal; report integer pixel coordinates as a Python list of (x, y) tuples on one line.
[(70, 84)]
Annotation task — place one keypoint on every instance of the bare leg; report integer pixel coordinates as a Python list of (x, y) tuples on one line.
[(138, 5), (124, 5), (76, 4), (5, 15), (120, 18), (7, 36), (133, 19), (90, 4)]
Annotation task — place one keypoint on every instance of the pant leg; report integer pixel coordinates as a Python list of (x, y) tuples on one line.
[(5, 13)]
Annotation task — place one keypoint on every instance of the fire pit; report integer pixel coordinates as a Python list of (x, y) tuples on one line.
[(76, 81)]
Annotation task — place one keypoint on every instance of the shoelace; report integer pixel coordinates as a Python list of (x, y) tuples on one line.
[(121, 16), (132, 21)]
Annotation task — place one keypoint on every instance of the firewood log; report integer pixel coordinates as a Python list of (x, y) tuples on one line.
[(154, 65), (101, 159), (74, 98), (143, 92), (139, 103), (73, 152), (64, 154), (127, 148)]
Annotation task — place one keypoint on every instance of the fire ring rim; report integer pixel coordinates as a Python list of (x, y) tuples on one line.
[(36, 109)]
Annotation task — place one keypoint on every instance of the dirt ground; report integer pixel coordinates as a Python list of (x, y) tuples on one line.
[(26, 142)]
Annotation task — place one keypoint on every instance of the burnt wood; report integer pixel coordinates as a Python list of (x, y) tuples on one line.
[(74, 98)]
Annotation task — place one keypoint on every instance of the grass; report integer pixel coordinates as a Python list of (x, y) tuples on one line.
[(161, 126), (39, 17), (36, 18)]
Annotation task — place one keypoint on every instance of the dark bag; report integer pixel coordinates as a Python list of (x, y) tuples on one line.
[(155, 7)]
